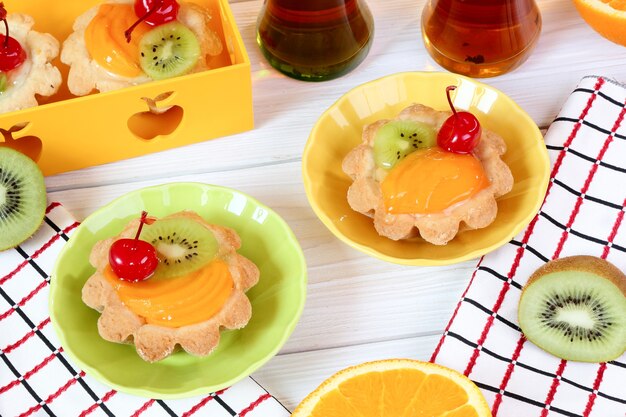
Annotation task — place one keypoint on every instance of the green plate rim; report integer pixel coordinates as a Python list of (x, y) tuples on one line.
[(202, 390)]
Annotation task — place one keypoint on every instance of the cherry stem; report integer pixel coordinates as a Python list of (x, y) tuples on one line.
[(157, 5), (448, 89), (6, 38), (3, 17), (142, 221)]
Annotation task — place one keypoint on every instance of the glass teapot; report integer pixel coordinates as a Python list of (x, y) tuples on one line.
[(315, 40), (480, 38)]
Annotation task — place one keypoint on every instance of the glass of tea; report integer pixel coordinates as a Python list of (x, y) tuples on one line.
[(480, 38), (315, 40)]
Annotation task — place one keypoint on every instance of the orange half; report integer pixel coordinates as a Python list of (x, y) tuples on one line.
[(395, 388), (607, 17)]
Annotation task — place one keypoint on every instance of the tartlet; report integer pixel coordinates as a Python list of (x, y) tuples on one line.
[(36, 75), (365, 194), (87, 74), (153, 342)]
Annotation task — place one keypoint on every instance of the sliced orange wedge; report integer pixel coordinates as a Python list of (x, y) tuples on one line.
[(607, 17), (395, 388)]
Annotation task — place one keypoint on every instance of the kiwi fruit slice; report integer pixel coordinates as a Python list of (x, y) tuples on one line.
[(168, 50), (3, 82), (183, 246), (575, 308), (398, 138), (22, 198)]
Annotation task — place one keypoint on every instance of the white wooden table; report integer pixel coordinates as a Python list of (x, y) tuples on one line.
[(358, 308)]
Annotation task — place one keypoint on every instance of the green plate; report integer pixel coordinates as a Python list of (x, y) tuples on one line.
[(277, 300)]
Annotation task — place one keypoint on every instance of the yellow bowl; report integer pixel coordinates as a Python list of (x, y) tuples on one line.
[(338, 130)]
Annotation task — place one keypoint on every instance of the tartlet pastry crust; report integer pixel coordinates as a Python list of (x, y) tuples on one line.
[(86, 74), (36, 76), (365, 195), (118, 323)]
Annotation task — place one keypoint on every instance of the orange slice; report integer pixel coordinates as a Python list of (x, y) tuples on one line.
[(395, 388), (607, 17)]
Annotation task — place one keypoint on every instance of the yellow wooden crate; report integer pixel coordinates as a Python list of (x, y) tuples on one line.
[(77, 132)]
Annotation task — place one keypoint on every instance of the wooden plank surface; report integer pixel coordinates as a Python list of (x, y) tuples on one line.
[(358, 308)]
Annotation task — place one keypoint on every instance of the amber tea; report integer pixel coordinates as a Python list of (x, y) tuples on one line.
[(315, 40), (480, 38)]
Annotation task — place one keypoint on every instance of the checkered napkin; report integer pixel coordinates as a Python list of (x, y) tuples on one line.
[(582, 214), (36, 376)]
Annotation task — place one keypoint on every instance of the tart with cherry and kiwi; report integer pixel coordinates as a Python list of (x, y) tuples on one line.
[(25, 62), (170, 283), (123, 43), (428, 173)]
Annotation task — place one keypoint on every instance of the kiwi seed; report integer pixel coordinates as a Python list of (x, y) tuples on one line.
[(22, 198), (398, 138), (168, 50), (183, 246), (575, 308)]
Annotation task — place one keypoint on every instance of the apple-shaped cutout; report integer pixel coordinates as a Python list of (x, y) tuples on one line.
[(28, 145), (156, 121)]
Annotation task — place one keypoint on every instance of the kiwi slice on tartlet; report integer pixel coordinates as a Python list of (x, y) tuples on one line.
[(168, 50), (22, 198), (398, 138), (575, 309), (182, 245), (3, 82)]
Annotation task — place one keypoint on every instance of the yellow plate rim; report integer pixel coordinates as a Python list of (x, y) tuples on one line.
[(537, 137)]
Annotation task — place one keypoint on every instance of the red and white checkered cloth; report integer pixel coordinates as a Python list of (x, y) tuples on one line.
[(38, 379), (582, 214)]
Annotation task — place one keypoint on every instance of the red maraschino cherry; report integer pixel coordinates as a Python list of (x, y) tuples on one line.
[(12, 54), (154, 13), (460, 133), (133, 259)]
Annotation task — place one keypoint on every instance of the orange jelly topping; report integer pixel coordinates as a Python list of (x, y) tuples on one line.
[(431, 180), (105, 41), (180, 301)]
